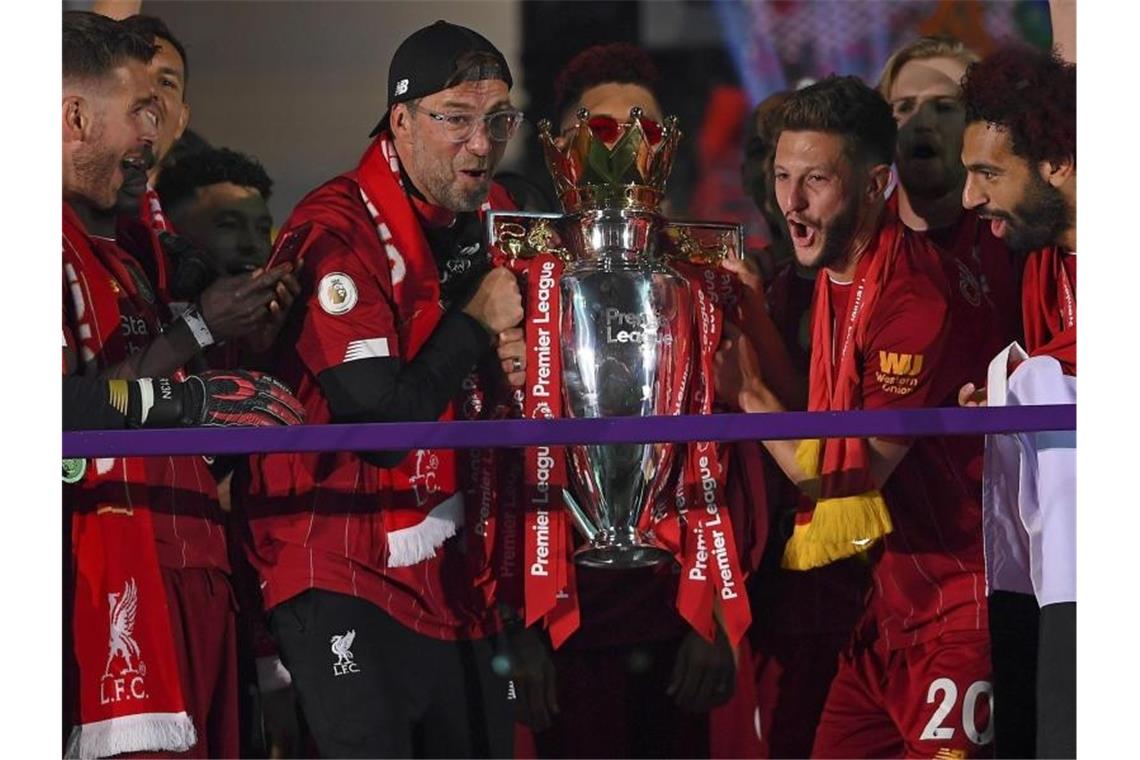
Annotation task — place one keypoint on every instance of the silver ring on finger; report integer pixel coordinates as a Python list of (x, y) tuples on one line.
[(516, 364)]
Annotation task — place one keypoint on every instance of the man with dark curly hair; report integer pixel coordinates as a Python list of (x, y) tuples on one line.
[(607, 80), (1020, 153), (915, 679), (1020, 148), (218, 198)]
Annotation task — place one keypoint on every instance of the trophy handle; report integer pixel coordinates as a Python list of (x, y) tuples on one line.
[(585, 527)]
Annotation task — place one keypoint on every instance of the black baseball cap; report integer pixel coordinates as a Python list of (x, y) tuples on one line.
[(426, 60)]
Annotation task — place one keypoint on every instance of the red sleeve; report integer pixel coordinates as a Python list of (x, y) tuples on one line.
[(904, 346), (348, 316)]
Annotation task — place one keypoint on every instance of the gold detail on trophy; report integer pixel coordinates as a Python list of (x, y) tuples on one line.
[(688, 244), (523, 238), (603, 164), (542, 238)]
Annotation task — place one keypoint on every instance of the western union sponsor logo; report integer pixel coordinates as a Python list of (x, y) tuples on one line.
[(901, 365)]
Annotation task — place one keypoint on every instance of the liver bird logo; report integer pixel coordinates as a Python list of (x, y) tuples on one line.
[(341, 647), (122, 643)]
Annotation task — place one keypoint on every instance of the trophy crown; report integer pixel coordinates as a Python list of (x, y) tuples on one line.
[(601, 163)]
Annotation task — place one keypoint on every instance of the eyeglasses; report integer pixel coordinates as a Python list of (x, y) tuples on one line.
[(460, 127)]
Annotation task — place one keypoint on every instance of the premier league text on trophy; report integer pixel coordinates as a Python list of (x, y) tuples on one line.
[(546, 285), (541, 388), (698, 572)]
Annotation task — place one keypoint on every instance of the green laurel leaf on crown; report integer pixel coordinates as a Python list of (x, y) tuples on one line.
[(598, 160)]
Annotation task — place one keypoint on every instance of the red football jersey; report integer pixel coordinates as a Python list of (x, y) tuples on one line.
[(315, 518), (929, 573), (985, 291)]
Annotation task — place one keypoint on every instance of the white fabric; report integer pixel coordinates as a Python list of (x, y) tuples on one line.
[(413, 544), (144, 732), (1029, 486)]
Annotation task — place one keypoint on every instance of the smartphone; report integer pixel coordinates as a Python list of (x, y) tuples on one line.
[(289, 245)]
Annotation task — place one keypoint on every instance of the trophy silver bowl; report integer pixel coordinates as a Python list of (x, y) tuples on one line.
[(627, 324), (626, 336)]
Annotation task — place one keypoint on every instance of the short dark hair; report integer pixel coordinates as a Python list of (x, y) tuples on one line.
[(1030, 93), (848, 107), (619, 62), (154, 27), (189, 142), (179, 180), (94, 45)]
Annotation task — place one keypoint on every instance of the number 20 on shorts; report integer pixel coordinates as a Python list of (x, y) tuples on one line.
[(935, 730)]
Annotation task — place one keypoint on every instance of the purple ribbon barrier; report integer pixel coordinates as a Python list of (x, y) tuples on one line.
[(400, 436)]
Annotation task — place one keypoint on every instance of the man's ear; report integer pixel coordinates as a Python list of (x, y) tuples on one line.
[(878, 178), (1057, 173), (75, 118), (399, 119)]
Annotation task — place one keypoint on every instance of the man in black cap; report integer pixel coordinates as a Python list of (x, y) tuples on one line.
[(377, 592)]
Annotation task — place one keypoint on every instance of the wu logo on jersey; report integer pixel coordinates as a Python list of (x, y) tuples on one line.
[(898, 373), (893, 363), (123, 675), (341, 647)]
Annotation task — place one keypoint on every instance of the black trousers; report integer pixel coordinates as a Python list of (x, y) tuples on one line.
[(391, 692), (1057, 681), (1034, 654), (1014, 625)]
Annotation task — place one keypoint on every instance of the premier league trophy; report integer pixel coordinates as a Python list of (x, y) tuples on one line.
[(627, 328)]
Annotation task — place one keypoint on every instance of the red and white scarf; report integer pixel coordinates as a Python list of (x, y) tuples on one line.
[(428, 504), (129, 694), (850, 514), (139, 235)]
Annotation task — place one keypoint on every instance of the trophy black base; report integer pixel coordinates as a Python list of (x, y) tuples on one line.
[(621, 556)]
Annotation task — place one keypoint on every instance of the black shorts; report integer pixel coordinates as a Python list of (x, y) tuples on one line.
[(369, 687)]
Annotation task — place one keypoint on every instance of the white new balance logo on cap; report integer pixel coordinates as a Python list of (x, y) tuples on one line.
[(401, 87)]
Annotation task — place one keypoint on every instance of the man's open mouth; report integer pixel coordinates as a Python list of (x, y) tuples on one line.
[(134, 170), (999, 223), (803, 235)]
